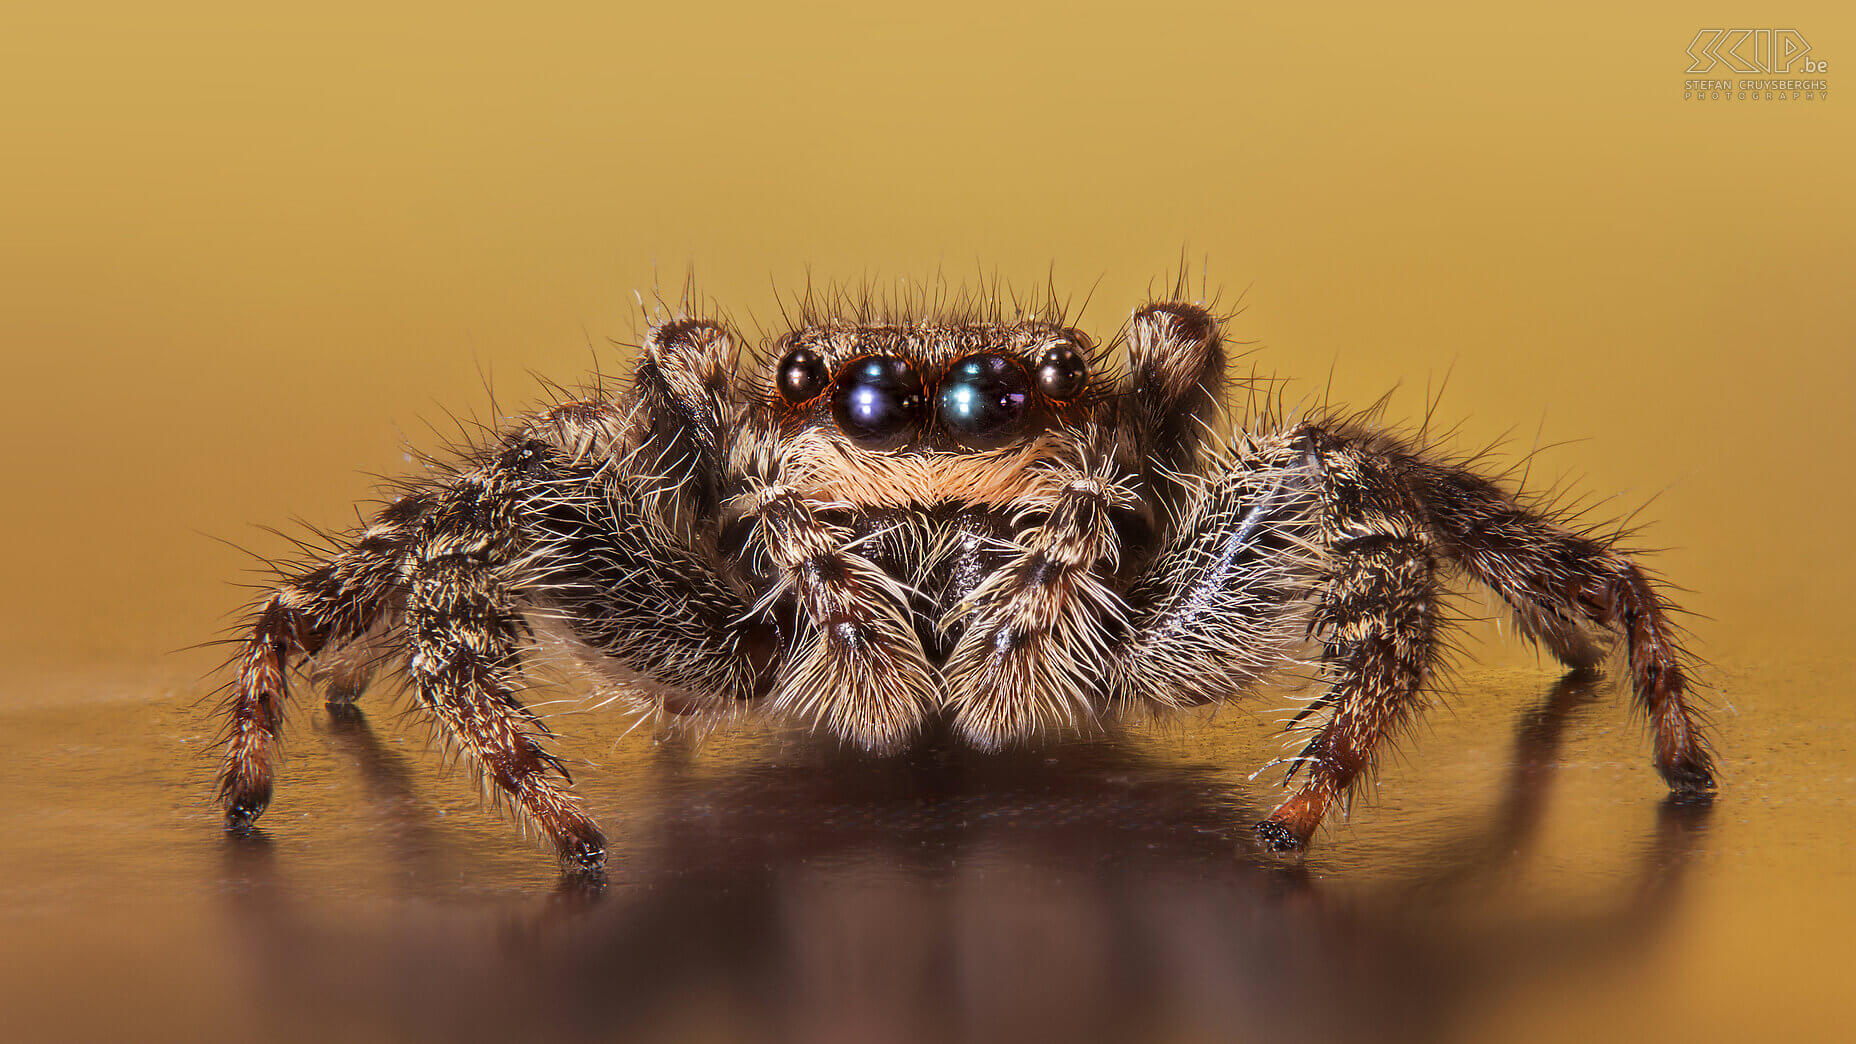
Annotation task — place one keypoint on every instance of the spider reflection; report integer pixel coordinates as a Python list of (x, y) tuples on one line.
[(1082, 893)]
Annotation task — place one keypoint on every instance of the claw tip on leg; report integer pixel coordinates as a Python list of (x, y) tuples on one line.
[(1278, 838), (1690, 775), (243, 810)]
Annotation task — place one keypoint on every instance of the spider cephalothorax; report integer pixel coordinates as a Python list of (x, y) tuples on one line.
[(876, 521)]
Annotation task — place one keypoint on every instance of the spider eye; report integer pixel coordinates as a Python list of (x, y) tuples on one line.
[(878, 401), (1062, 372), (801, 375), (983, 400)]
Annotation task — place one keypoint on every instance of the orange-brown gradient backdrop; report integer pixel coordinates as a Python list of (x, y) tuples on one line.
[(246, 250), (243, 249)]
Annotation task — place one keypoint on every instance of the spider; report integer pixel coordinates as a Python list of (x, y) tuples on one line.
[(951, 516)]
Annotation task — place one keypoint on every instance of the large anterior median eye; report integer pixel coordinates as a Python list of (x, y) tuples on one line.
[(801, 376), (983, 400), (878, 401)]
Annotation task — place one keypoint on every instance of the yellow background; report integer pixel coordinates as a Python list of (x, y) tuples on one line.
[(244, 250)]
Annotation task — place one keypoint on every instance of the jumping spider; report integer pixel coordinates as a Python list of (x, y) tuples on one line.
[(948, 515)]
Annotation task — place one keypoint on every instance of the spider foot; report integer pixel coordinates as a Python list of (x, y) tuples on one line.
[(583, 850), (1689, 775), (243, 809), (1278, 837)]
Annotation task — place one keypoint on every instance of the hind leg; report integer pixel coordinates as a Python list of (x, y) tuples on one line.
[(338, 601), (1388, 513), (1557, 579), (447, 555)]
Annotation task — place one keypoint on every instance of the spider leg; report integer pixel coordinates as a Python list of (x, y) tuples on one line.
[(1224, 601), (1036, 639), (446, 560), (341, 600), (636, 571), (1377, 619), (582, 518), (1388, 515), (582, 514), (465, 628), (859, 669), (640, 576), (627, 586), (1036, 631), (679, 421), (1555, 578), (439, 567), (1176, 383)]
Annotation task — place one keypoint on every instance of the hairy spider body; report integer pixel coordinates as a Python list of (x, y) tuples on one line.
[(959, 516)]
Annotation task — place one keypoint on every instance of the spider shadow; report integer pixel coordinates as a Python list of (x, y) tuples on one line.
[(388, 783), (1089, 891)]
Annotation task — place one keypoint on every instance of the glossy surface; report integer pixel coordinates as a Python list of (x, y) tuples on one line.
[(1522, 876), (249, 253), (1062, 373), (983, 400), (878, 401), (801, 375)]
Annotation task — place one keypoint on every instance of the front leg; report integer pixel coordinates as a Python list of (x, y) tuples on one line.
[(1225, 600), (859, 670), (1176, 386), (1036, 632)]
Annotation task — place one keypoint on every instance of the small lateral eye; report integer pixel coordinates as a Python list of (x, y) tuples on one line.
[(801, 376), (1062, 374)]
